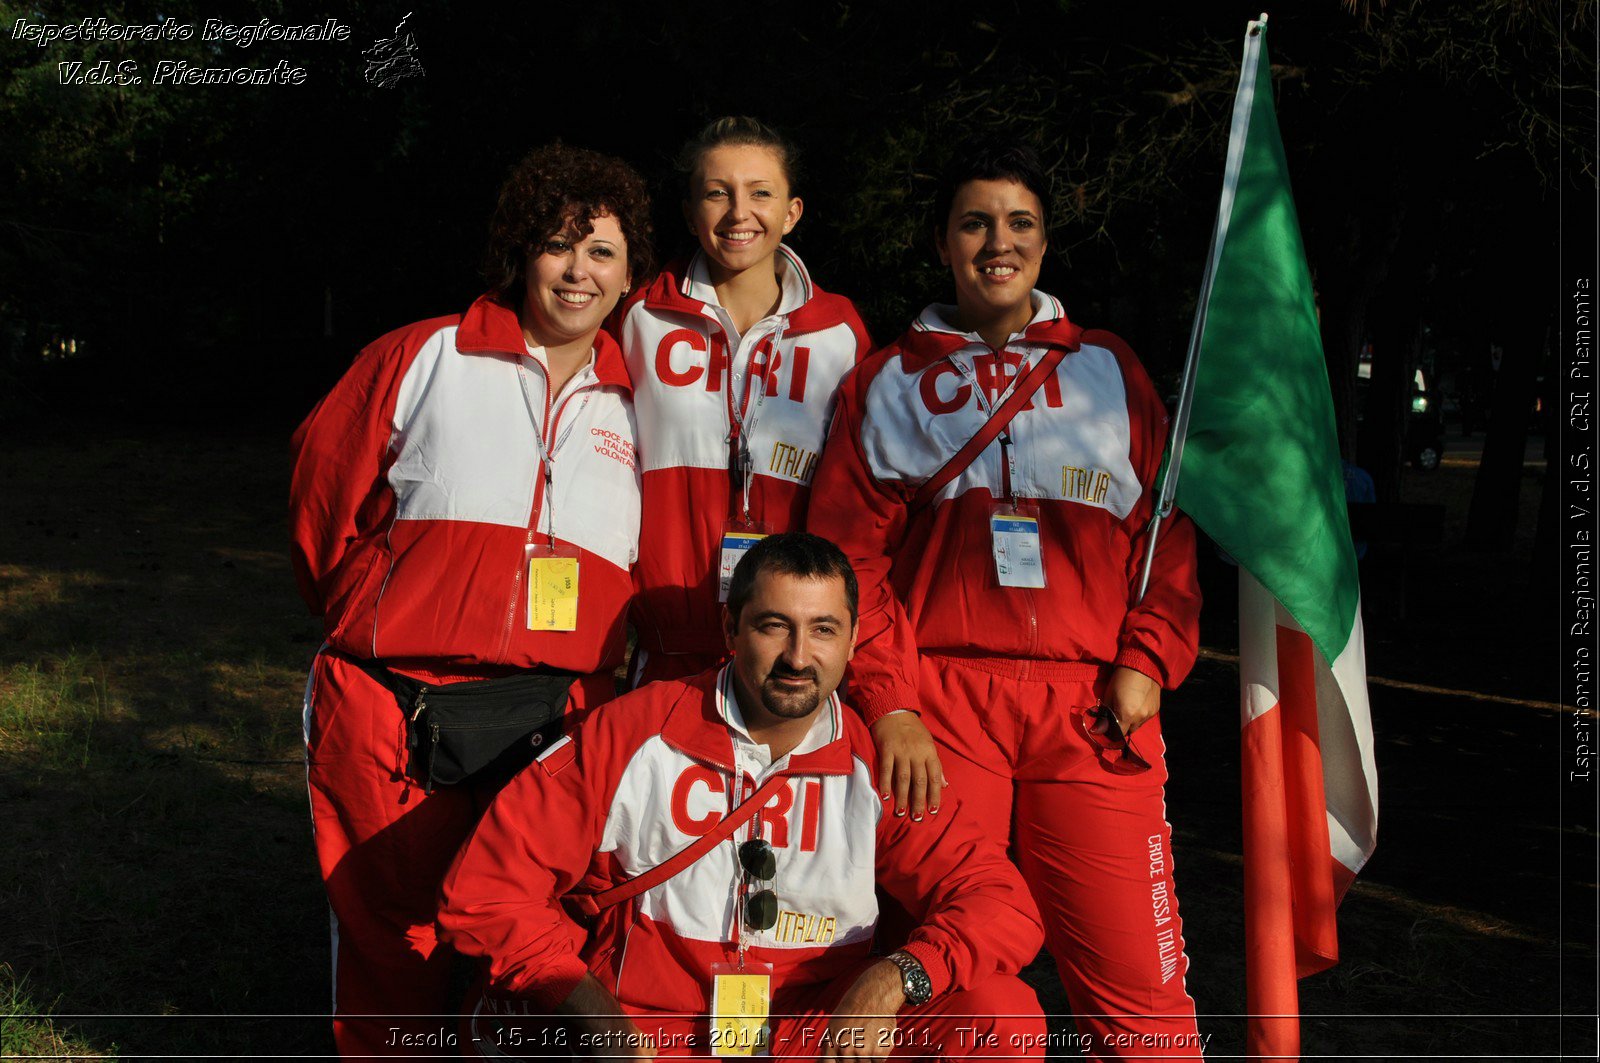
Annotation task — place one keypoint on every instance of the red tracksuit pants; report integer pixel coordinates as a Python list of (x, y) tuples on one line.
[(1094, 846), (998, 1018), (384, 846)]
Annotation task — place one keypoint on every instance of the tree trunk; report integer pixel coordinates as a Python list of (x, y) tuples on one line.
[(1362, 265), (1396, 329), (1343, 324), (1492, 518)]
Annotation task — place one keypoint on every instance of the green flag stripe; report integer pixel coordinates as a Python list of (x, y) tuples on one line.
[(1260, 471)]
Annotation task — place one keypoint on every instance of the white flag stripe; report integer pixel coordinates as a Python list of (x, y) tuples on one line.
[(1344, 717), (1258, 648), (1349, 769)]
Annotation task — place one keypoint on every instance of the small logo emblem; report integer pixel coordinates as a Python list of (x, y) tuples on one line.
[(393, 59)]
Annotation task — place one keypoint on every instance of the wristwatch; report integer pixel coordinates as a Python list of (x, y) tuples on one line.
[(913, 979)]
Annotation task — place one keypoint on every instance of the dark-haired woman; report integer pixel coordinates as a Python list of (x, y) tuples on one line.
[(999, 592), (464, 513), (736, 357)]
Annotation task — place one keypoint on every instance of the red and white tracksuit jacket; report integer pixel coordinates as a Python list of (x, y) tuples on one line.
[(688, 371), (417, 485), (1086, 452), (1004, 676), (646, 777)]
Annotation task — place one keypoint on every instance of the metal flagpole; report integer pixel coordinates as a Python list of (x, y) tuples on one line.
[(1243, 103)]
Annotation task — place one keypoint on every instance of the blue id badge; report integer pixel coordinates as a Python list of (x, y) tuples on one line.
[(1018, 557), (736, 539)]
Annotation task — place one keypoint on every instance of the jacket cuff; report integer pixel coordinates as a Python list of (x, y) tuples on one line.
[(933, 961), (1141, 663), (875, 706), (551, 987)]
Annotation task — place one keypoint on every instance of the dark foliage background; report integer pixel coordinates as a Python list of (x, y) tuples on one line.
[(201, 245)]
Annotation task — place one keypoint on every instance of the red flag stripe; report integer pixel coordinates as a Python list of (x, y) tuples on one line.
[(1272, 996), (1316, 937)]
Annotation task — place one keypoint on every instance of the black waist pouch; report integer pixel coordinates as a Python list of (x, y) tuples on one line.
[(493, 727)]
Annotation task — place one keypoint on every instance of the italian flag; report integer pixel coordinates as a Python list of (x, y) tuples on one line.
[(1255, 440)]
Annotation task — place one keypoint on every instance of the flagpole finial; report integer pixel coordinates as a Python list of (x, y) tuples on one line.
[(1258, 25)]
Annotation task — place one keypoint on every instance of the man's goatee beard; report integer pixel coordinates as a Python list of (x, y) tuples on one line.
[(791, 706)]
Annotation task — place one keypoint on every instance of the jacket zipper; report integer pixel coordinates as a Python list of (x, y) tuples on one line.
[(735, 444), (737, 440), (1033, 624), (1007, 442), (1027, 592)]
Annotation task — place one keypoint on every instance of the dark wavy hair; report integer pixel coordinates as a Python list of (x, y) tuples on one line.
[(738, 130), (555, 187), (792, 554), (990, 159)]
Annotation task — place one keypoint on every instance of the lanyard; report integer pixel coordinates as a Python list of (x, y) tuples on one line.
[(547, 454), (737, 779), (1007, 459), (741, 463)]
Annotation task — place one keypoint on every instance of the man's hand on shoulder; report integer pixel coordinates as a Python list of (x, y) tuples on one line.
[(863, 1025), (908, 764), (600, 1027)]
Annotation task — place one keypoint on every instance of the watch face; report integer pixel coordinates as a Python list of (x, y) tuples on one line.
[(914, 981)]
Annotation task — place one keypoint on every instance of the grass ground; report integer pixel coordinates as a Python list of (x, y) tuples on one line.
[(161, 896)]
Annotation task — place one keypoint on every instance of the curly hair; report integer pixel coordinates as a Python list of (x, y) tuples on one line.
[(556, 188), (738, 130)]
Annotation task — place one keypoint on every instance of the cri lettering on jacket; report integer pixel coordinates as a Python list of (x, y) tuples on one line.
[(1088, 442), (994, 373), (683, 360), (706, 788), (786, 444)]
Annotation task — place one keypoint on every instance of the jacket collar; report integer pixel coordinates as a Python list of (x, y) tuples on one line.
[(696, 726), (491, 327), (684, 287), (932, 337), (794, 283)]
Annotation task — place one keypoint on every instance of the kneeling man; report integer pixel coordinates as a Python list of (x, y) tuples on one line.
[(764, 942)]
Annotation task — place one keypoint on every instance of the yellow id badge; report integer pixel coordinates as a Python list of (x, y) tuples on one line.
[(741, 1009), (552, 587)]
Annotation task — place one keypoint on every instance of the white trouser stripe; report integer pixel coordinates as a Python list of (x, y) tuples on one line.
[(305, 731)]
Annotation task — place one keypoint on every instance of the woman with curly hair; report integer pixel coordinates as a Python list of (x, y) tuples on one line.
[(464, 513), (736, 357)]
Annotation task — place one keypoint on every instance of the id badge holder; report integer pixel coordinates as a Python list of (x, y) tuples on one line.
[(737, 537), (1018, 549), (552, 586), (741, 1009)]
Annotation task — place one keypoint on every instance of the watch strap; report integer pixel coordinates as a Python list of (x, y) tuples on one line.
[(914, 980)]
